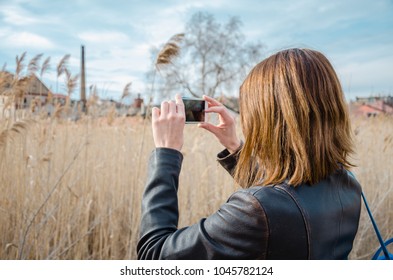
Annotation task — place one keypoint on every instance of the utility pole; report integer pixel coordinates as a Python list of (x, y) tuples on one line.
[(83, 81)]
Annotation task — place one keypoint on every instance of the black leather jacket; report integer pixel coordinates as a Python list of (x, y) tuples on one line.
[(261, 222)]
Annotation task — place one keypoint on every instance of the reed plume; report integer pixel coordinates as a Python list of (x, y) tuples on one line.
[(4, 79), (93, 96), (17, 84), (33, 65), (61, 67), (19, 65), (58, 110), (126, 91), (17, 128), (45, 66), (170, 50), (71, 82)]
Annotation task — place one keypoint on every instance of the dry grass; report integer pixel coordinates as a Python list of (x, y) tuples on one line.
[(73, 190), (374, 160)]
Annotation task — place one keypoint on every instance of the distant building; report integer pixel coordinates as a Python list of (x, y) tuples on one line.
[(27, 92), (372, 106), (138, 102), (58, 98), (36, 94), (137, 107), (373, 99)]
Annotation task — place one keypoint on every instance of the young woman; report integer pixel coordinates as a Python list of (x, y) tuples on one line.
[(298, 200)]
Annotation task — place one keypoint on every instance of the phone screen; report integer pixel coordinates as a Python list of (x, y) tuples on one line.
[(194, 109)]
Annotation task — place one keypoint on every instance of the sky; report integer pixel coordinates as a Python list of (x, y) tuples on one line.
[(355, 35)]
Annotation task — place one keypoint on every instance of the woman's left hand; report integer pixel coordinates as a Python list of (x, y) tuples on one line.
[(168, 124), (225, 131)]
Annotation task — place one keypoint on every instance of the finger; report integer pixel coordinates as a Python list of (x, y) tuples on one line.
[(211, 100), (180, 104), (155, 113), (164, 108), (222, 111), (209, 127), (216, 109), (172, 107)]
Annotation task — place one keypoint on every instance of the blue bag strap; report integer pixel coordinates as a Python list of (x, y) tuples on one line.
[(383, 246)]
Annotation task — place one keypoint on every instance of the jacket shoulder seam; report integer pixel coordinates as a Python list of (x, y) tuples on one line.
[(262, 212), (303, 213)]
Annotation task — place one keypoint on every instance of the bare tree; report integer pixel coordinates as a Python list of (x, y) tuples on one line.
[(213, 58)]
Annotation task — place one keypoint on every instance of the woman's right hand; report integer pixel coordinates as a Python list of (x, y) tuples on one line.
[(225, 131)]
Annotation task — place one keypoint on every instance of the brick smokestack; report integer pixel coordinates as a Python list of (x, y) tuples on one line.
[(83, 81)]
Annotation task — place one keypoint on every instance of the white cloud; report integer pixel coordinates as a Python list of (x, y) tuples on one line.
[(367, 77), (185, 6), (109, 37), (3, 32), (118, 37), (117, 67), (28, 40), (15, 15)]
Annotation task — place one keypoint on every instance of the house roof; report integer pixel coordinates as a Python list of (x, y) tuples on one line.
[(365, 108), (30, 85), (372, 105), (59, 96)]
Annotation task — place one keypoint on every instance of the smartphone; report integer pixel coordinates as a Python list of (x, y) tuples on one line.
[(194, 109)]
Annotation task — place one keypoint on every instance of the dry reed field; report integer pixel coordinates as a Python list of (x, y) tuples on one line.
[(374, 160), (72, 190)]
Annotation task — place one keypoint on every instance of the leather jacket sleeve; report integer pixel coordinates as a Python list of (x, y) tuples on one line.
[(230, 233), (228, 160)]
